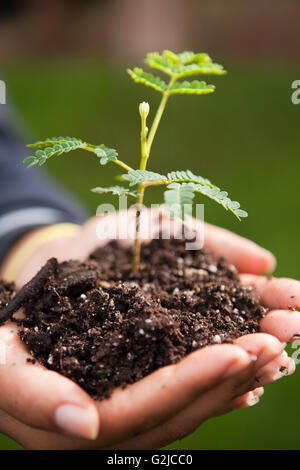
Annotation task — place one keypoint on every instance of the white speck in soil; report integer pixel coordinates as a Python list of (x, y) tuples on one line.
[(212, 268), (217, 339)]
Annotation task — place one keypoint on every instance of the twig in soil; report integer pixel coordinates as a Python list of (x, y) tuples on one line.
[(32, 288)]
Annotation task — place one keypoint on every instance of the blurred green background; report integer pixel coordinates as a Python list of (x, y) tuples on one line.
[(244, 137)]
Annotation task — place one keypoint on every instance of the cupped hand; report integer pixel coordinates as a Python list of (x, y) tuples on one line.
[(41, 409)]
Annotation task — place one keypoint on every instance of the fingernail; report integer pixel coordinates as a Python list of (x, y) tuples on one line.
[(284, 370), (272, 262), (292, 366), (252, 399), (252, 357), (259, 391), (278, 374), (77, 422)]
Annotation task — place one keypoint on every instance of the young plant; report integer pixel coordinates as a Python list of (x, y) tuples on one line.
[(181, 185)]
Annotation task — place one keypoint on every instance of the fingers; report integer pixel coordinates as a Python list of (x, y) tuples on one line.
[(166, 392), (272, 361), (220, 399), (37, 439), (158, 396), (210, 403), (42, 398), (284, 324), (262, 345), (247, 256), (275, 293), (200, 375), (281, 366), (246, 400), (202, 400)]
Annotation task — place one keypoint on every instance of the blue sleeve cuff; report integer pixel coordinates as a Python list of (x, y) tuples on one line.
[(16, 223)]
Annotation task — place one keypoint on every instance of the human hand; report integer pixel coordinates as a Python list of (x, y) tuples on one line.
[(171, 402)]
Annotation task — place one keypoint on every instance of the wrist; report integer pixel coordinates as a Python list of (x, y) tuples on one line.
[(32, 242)]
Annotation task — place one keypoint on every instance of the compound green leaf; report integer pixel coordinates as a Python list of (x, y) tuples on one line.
[(139, 76), (221, 197), (105, 154), (166, 62), (186, 176), (51, 141), (51, 147), (179, 199), (195, 87), (142, 176), (115, 190), (183, 64)]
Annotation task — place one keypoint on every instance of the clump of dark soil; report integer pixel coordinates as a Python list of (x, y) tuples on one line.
[(103, 327)]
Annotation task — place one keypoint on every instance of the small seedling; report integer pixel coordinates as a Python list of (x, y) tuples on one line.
[(181, 185)]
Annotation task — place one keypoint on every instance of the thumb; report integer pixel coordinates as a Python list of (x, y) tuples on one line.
[(42, 398)]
